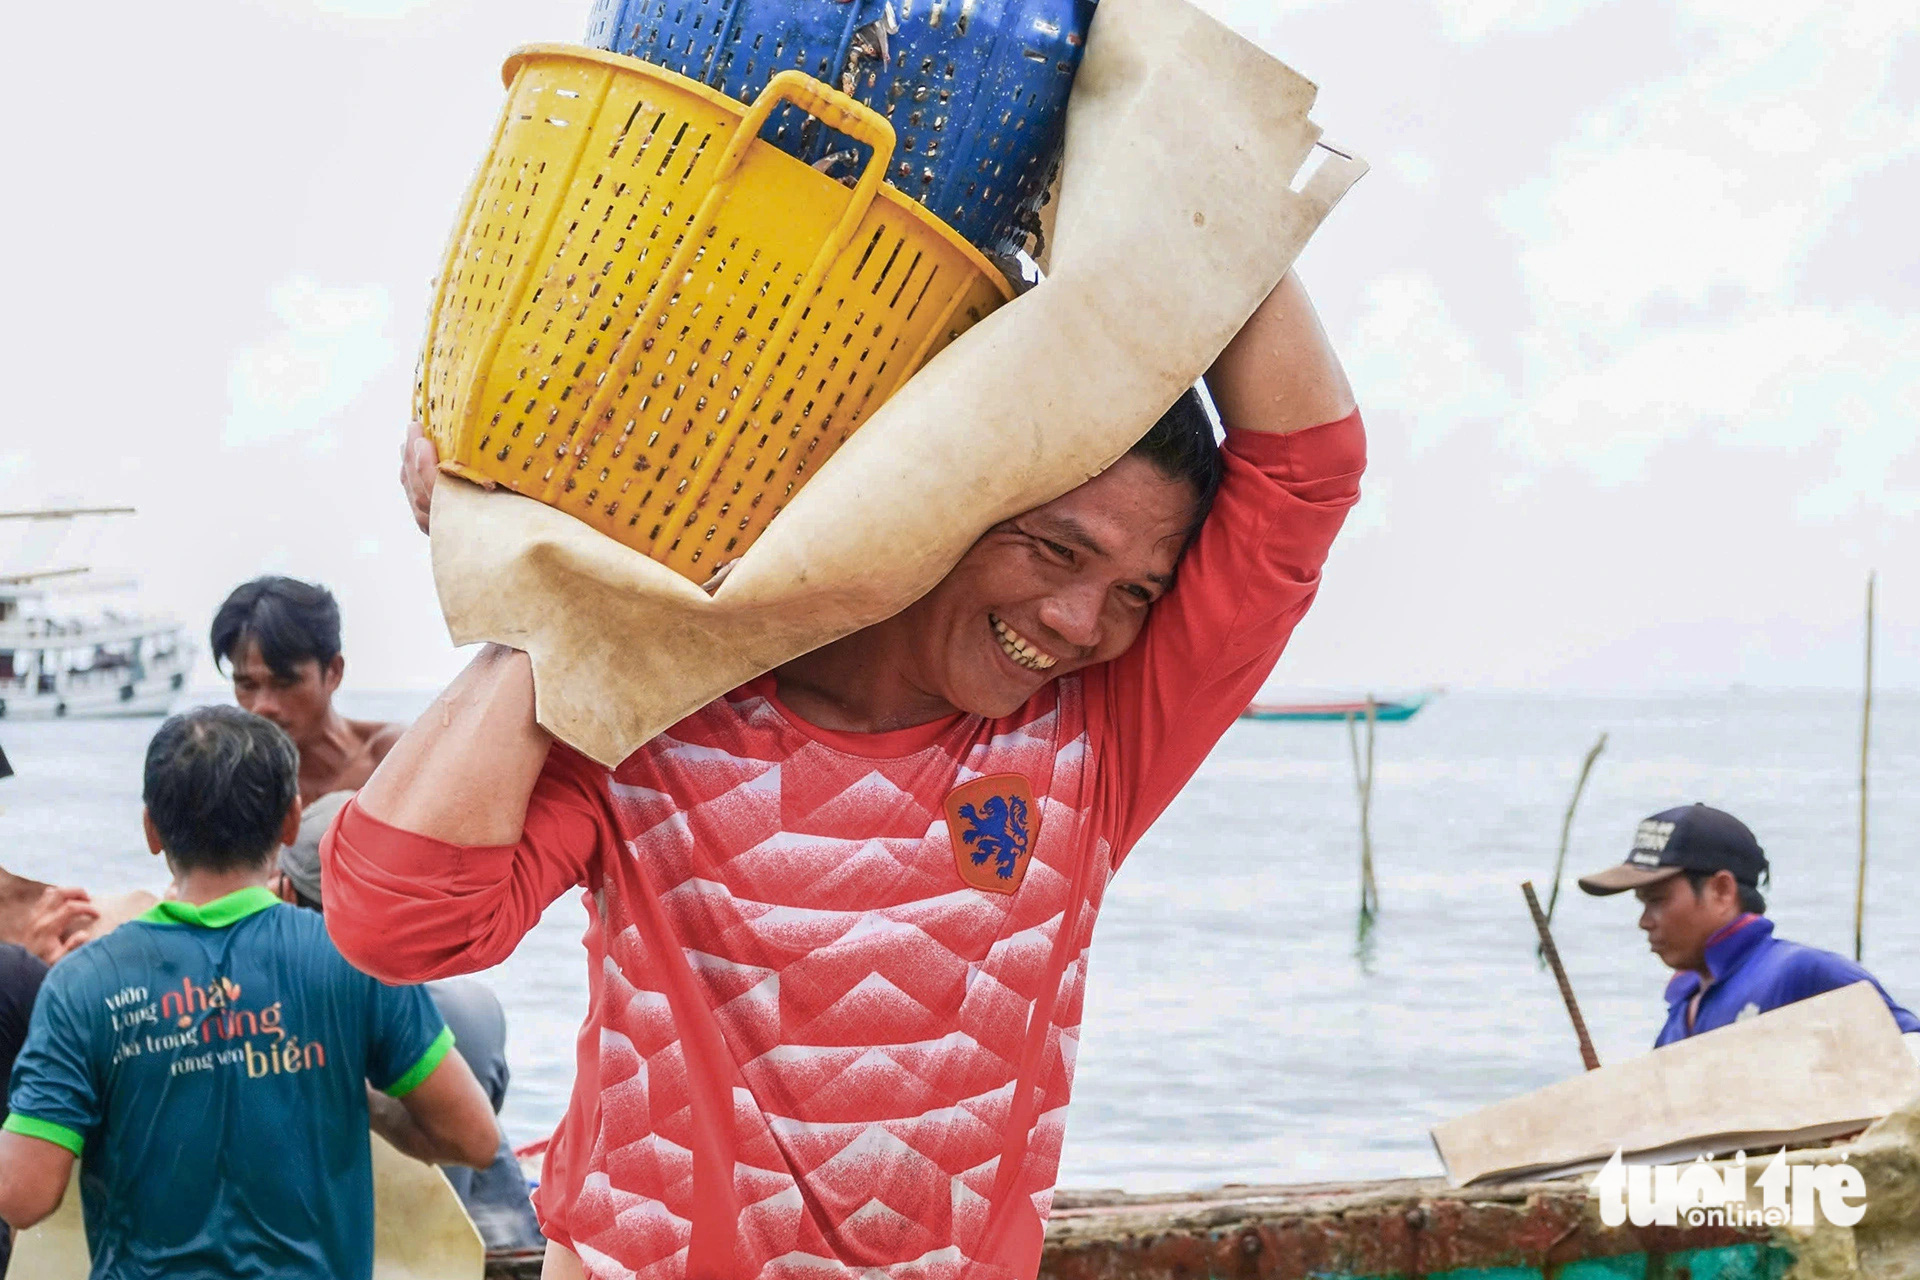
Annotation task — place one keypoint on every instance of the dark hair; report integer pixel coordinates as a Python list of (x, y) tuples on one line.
[(290, 620), (1181, 444), (218, 786), (1750, 899)]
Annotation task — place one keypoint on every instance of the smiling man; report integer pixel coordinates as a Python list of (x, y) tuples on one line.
[(1697, 873), (281, 638), (839, 917)]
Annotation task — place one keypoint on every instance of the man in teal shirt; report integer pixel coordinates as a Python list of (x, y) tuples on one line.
[(210, 1062)]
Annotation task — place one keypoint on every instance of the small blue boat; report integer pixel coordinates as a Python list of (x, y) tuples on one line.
[(1383, 709)]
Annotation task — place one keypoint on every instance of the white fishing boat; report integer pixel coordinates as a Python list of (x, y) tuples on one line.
[(69, 647)]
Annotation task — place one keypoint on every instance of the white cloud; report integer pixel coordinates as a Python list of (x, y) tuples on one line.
[(1411, 362), (334, 342), (1411, 167), (1662, 251), (1373, 513), (354, 10), (1470, 21), (1721, 177), (1808, 380), (1613, 228)]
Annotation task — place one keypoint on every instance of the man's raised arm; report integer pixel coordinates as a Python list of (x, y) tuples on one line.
[(467, 831), (1293, 457), (471, 825), (1280, 374), (463, 772)]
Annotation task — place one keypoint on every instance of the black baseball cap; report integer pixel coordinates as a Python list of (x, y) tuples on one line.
[(1690, 838)]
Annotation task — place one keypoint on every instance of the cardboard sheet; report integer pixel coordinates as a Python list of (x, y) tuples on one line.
[(1815, 1069), (1177, 215), (420, 1230)]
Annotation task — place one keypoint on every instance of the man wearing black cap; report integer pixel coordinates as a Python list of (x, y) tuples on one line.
[(1697, 873)]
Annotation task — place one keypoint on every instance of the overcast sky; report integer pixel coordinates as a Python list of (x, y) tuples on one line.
[(1628, 301)]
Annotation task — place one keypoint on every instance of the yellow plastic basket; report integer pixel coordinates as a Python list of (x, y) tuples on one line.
[(654, 321)]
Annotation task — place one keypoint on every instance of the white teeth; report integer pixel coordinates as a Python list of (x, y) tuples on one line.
[(1019, 648)]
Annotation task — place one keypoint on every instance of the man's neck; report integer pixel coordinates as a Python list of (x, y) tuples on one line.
[(331, 746), (335, 758), (1719, 932), (200, 886), (861, 683)]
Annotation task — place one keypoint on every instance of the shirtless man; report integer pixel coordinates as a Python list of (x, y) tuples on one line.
[(839, 917), (282, 640)]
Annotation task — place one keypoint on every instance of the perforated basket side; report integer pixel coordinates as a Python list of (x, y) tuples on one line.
[(672, 379), (890, 303), (978, 95), (976, 90)]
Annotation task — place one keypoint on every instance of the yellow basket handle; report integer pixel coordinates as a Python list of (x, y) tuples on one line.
[(838, 112), (829, 106)]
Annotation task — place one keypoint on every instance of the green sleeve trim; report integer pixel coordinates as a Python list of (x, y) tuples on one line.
[(47, 1131), (420, 1070)]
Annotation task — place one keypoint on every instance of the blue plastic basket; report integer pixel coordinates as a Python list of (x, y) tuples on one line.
[(976, 90)]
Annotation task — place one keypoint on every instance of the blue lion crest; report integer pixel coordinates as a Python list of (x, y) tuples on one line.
[(996, 829)]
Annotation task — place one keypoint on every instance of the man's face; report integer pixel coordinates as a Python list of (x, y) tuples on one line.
[(1062, 587), (299, 703), (1678, 921)]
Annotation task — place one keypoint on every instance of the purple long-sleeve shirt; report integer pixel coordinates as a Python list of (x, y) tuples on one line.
[(1755, 972)]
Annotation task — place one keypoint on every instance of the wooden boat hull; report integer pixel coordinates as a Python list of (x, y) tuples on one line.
[(1366, 1231), (1398, 1230)]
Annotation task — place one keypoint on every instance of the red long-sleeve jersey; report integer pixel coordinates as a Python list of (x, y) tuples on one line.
[(836, 979)]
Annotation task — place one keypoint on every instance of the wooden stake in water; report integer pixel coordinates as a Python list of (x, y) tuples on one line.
[(1363, 785), (1866, 737), (1566, 824), (1587, 1055)]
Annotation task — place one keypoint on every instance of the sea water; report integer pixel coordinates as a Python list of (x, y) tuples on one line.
[(1236, 1030)]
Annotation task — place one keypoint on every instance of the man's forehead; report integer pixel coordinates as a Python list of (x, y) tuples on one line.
[(247, 660), (1109, 535), (1120, 500)]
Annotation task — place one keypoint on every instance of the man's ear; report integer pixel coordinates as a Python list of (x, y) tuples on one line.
[(290, 825), (336, 668), (154, 843), (1725, 887)]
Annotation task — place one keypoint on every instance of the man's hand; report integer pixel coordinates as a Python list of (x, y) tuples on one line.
[(419, 468), (61, 921)]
